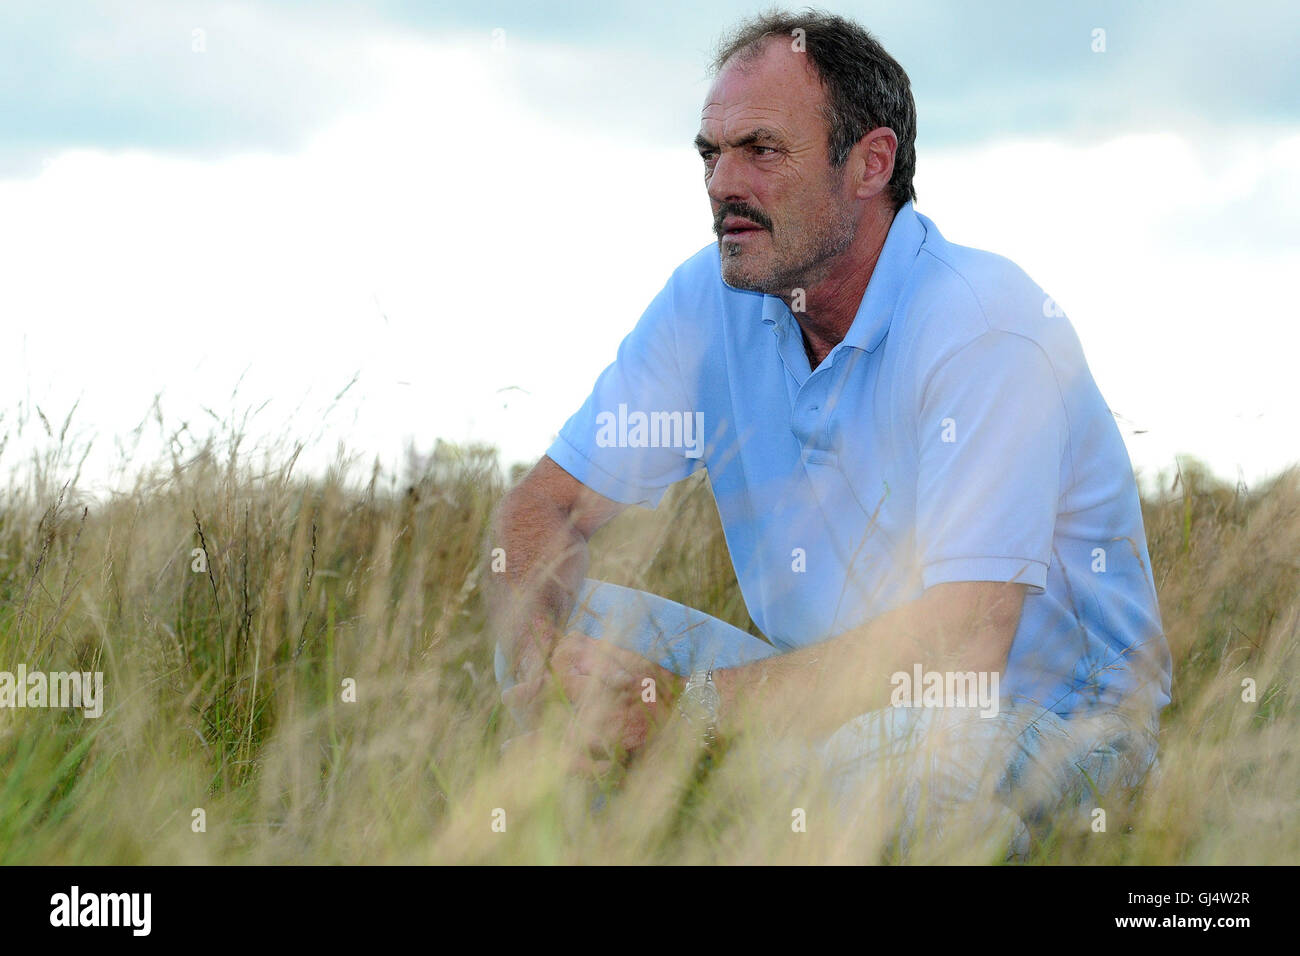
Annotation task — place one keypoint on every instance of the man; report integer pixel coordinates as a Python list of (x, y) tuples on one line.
[(921, 487)]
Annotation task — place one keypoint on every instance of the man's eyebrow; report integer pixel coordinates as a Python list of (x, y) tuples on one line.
[(756, 135)]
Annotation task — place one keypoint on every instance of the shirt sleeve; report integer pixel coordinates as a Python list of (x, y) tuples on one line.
[(639, 431), (992, 436)]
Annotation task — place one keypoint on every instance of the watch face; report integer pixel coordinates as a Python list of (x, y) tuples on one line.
[(700, 703)]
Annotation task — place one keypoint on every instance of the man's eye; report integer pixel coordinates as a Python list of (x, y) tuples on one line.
[(764, 150), (709, 155)]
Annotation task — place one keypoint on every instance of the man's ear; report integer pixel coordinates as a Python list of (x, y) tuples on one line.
[(871, 162)]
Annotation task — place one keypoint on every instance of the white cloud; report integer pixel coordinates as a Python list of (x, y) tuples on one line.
[(454, 241), (1182, 331)]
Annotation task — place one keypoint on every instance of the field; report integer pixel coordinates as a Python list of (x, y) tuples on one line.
[(295, 671)]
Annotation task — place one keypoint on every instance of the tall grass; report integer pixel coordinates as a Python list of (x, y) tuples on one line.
[(227, 738)]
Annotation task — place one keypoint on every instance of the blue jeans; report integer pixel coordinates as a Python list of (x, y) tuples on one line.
[(1025, 759)]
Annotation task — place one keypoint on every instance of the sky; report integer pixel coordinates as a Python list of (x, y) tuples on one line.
[(393, 222)]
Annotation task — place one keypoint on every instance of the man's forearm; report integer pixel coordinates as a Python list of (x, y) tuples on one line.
[(545, 562), (814, 690), (811, 691)]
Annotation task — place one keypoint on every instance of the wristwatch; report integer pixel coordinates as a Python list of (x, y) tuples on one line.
[(700, 703)]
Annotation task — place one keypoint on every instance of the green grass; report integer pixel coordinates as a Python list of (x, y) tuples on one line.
[(224, 686)]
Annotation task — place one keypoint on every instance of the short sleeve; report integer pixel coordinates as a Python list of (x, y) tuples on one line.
[(992, 433), (639, 431)]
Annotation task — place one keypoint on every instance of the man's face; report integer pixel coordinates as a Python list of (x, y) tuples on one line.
[(780, 210)]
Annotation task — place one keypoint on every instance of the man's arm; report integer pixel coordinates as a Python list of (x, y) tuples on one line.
[(958, 626), (544, 524)]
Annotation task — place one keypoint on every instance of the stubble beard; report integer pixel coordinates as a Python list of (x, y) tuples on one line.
[(798, 263)]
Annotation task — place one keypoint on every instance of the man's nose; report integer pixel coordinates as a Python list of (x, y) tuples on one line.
[(728, 182)]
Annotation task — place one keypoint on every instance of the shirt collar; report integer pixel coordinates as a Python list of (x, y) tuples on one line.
[(906, 235)]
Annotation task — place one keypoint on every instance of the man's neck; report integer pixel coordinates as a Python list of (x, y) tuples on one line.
[(831, 303)]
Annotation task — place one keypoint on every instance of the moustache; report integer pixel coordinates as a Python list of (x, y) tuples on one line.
[(742, 211)]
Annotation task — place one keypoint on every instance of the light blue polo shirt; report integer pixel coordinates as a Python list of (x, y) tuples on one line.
[(955, 434)]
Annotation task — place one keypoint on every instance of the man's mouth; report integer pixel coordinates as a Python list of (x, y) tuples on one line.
[(734, 227)]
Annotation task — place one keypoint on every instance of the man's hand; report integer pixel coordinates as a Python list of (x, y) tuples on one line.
[(533, 649), (618, 697)]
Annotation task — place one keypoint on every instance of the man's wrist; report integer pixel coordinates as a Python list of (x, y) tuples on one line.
[(675, 688), (729, 681)]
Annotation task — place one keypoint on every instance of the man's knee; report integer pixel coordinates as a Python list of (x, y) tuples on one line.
[(1081, 765)]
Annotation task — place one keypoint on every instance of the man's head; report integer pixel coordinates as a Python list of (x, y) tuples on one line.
[(807, 132)]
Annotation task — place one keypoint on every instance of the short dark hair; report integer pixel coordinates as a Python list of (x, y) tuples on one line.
[(865, 86)]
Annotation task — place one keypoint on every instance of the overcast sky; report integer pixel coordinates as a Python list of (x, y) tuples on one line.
[(436, 197)]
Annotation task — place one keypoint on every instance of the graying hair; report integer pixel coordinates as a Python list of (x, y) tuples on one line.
[(865, 86)]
